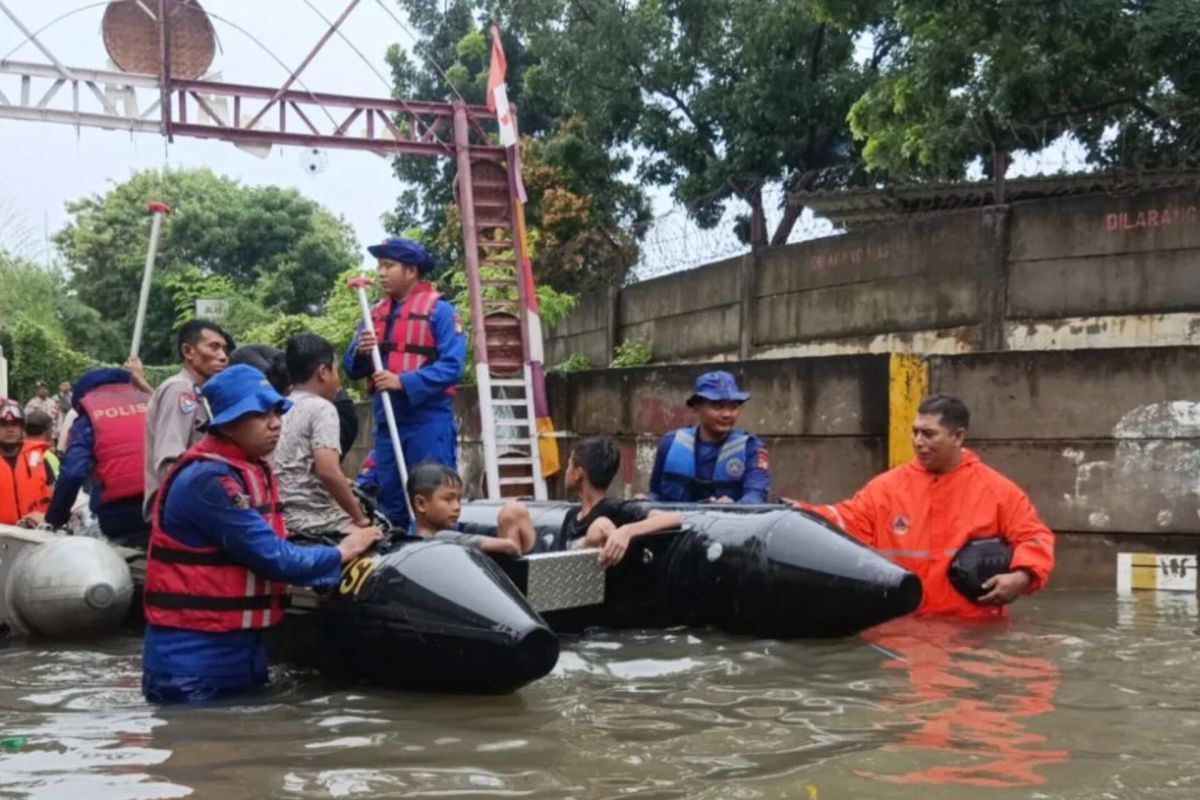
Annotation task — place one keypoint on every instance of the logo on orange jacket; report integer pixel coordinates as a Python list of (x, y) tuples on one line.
[(900, 525)]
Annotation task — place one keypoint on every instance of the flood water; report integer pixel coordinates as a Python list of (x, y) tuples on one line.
[(1080, 696)]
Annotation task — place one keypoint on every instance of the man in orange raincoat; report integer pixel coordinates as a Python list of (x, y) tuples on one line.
[(922, 513)]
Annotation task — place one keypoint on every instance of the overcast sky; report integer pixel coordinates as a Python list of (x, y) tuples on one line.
[(45, 165)]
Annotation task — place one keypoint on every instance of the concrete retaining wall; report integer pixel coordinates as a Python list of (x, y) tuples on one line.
[(1105, 441), (1083, 272)]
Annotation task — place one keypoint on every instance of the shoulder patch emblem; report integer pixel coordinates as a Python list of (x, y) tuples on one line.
[(241, 500), (458, 324), (187, 403), (763, 460)]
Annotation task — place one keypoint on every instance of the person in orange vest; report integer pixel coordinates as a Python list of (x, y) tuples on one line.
[(219, 562), (938, 513), (25, 476), (106, 453), (424, 353)]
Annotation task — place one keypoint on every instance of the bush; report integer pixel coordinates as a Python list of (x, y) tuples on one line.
[(38, 355), (632, 353), (576, 362)]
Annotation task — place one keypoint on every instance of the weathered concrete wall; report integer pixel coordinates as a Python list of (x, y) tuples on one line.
[(1103, 440), (925, 275), (584, 331), (1084, 272), (1106, 442), (824, 420)]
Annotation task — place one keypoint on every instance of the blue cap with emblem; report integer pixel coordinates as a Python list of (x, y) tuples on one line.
[(240, 390), (718, 386), (405, 251)]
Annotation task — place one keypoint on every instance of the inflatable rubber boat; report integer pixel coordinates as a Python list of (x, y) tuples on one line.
[(766, 570), (434, 616)]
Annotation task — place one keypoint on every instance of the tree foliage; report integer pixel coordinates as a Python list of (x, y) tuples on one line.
[(43, 327), (278, 249), (585, 211), (961, 79), (712, 99), (722, 97)]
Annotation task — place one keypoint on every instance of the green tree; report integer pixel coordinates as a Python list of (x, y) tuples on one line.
[(961, 80), (277, 248), (718, 98), (584, 209), (41, 296)]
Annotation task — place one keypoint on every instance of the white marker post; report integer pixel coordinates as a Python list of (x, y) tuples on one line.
[(359, 285), (158, 210)]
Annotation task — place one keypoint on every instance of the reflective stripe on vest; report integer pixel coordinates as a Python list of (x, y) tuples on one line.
[(118, 415), (404, 331), (679, 481), (23, 489), (201, 588)]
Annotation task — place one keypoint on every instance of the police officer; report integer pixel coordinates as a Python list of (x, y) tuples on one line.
[(219, 560), (712, 462), (424, 353), (175, 414), (106, 452), (25, 477)]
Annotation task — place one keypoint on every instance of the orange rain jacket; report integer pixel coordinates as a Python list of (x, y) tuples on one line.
[(919, 520)]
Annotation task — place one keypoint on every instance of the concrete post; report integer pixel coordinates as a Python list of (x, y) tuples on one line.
[(747, 273), (998, 220), (612, 328)]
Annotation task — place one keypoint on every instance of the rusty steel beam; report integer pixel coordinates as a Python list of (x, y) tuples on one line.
[(474, 112), (287, 84)]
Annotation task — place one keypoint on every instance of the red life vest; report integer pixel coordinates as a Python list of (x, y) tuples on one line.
[(118, 415), (23, 488), (201, 588), (405, 334)]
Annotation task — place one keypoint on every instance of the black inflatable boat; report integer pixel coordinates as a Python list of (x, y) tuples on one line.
[(764, 570), (435, 616)]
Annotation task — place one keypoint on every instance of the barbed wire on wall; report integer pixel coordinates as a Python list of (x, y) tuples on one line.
[(1046, 163), (674, 241)]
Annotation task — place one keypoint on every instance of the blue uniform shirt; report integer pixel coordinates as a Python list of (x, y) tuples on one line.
[(425, 388), (756, 482), (75, 471), (200, 512)]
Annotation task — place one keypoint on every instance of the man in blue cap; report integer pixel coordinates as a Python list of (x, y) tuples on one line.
[(424, 352), (219, 562), (712, 462)]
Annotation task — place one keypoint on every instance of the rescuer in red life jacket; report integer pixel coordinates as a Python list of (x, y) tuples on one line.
[(106, 453), (424, 353), (219, 562)]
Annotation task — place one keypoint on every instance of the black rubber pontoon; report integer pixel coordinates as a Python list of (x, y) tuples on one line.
[(764, 570), (428, 616)]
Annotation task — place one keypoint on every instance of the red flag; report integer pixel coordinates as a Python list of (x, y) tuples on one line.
[(497, 69)]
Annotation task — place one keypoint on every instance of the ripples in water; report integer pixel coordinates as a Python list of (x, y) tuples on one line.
[(1081, 697)]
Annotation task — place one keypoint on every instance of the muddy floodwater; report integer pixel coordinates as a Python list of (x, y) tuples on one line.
[(1080, 696)]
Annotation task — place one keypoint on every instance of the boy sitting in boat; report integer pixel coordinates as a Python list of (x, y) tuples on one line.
[(435, 492), (601, 521)]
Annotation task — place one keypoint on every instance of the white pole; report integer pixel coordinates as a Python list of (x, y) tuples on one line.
[(359, 285), (158, 210)]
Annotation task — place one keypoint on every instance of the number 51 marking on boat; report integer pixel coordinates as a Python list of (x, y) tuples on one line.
[(355, 574)]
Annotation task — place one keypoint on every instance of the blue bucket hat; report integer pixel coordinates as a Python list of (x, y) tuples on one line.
[(717, 386), (405, 251), (240, 390)]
